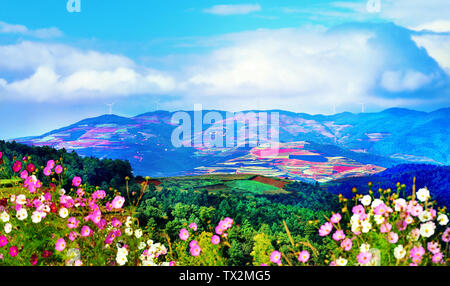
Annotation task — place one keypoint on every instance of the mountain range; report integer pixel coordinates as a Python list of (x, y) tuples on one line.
[(312, 147)]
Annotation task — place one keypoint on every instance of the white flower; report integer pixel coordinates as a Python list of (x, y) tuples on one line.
[(129, 231), (149, 242), (12, 199), (366, 200), (376, 202), (399, 252), (142, 245), (122, 251), (341, 261), (4, 217), (423, 194), (8, 228), (425, 216), (36, 217), (21, 199), (366, 226), (138, 233), (400, 205), (63, 212), (121, 260), (22, 214), (442, 219), (62, 192), (427, 229), (379, 219), (365, 247)]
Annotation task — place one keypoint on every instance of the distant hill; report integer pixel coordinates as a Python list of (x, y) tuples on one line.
[(342, 145)]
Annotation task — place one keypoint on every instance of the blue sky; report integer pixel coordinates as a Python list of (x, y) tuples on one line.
[(308, 56)]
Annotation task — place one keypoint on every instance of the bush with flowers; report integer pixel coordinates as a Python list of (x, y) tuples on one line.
[(388, 230), (47, 225)]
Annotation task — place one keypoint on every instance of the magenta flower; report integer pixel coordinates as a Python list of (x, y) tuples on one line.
[(17, 166), (338, 235), (275, 257), (60, 244), (193, 226), (215, 239), (325, 229), (3, 241), (347, 244), (184, 234), (72, 223), (13, 251), (303, 256), (195, 251), (116, 223), (364, 257), (336, 218), (76, 181), (219, 230), (58, 169), (380, 209)]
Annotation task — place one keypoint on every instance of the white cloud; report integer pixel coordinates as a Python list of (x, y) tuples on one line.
[(438, 47), (60, 72), (398, 81), (6, 28), (239, 9)]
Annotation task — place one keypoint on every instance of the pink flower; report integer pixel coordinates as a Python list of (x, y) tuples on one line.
[(76, 181), (193, 243), (13, 251), (303, 256), (60, 244), (364, 257), (193, 226), (116, 223), (358, 210), (417, 210), (275, 257), (58, 169), (50, 164), (73, 235), (80, 192), (338, 235), (380, 209), (184, 234), (219, 230), (85, 231), (347, 244), (17, 166), (446, 235), (215, 239), (385, 227), (392, 237), (336, 218), (72, 223), (118, 202), (433, 247), (47, 171), (195, 251), (417, 252), (325, 229), (437, 257), (24, 174)]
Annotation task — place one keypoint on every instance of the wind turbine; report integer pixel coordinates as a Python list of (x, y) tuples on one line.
[(110, 107), (363, 107)]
